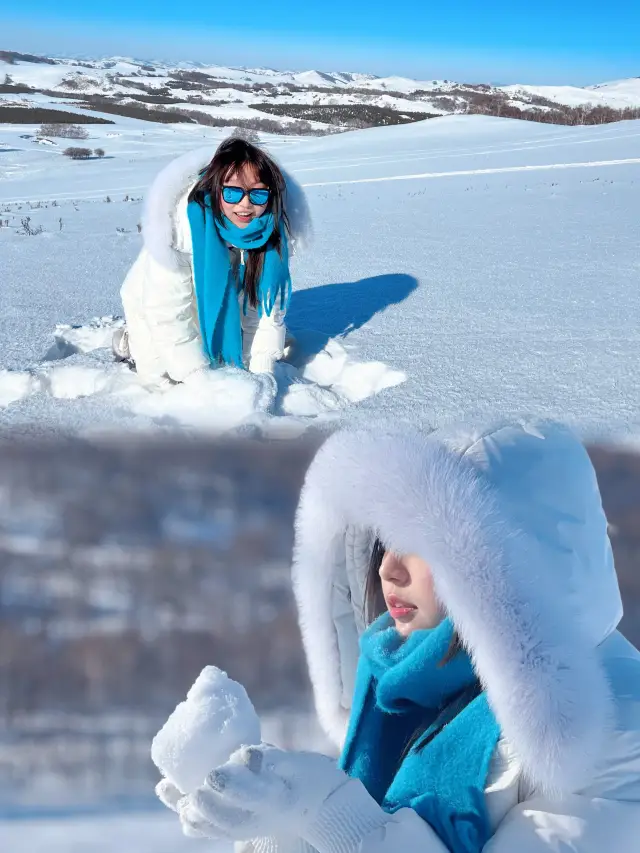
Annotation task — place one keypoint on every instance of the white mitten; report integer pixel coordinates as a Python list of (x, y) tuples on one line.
[(265, 791), (216, 718)]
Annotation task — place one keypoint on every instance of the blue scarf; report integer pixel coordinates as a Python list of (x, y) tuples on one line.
[(400, 688), (216, 285)]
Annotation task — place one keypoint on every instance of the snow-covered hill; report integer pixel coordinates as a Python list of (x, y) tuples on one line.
[(330, 100), (619, 94), (622, 90)]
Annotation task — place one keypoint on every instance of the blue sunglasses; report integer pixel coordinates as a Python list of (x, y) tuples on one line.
[(234, 195)]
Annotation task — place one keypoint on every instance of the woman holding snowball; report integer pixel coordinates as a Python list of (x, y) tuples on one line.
[(492, 705)]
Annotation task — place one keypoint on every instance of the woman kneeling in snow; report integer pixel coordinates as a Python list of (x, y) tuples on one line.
[(211, 284), (495, 707)]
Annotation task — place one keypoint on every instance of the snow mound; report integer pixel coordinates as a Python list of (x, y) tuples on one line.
[(349, 380), (232, 398), (16, 385), (95, 335), (312, 387), (73, 381)]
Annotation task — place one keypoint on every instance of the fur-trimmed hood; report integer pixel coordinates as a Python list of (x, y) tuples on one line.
[(171, 185), (511, 522)]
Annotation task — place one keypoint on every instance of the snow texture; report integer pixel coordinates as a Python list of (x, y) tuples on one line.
[(215, 720), (489, 263), (153, 832)]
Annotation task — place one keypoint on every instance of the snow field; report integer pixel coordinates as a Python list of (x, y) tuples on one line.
[(490, 262)]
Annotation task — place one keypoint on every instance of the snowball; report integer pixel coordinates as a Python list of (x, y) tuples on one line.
[(203, 732)]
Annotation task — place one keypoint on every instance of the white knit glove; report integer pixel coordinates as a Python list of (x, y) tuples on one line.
[(266, 791), (171, 796)]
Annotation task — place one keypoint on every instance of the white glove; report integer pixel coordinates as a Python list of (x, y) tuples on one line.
[(262, 791), (173, 798), (216, 718)]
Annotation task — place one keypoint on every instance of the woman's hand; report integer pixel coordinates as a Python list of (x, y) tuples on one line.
[(261, 791)]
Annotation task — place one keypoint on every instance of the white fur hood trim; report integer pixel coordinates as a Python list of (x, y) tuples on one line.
[(171, 185), (511, 523)]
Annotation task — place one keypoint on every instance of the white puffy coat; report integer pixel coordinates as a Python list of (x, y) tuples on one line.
[(511, 522), (158, 293)]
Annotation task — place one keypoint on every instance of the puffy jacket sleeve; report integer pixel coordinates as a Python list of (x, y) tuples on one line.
[(273, 845), (169, 307), (267, 345), (575, 825), (351, 821), (356, 824)]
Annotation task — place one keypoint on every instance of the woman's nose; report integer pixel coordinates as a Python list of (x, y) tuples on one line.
[(393, 569)]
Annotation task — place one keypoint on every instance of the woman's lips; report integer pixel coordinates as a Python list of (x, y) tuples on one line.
[(399, 609)]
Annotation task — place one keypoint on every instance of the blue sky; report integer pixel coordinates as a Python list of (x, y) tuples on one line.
[(535, 42)]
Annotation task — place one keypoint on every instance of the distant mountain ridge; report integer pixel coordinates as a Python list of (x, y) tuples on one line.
[(299, 101)]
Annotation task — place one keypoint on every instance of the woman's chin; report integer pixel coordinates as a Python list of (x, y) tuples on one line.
[(403, 628)]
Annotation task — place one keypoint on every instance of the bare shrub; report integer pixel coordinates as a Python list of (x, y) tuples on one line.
[(64, 131), (340, 115), (246, 133), (33, 115), (553, 113), (139, 111), (73, 83), (264, 125), (27, 229), (78, 153), (12, 57)]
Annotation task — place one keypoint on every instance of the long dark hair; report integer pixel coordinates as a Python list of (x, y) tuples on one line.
[(232, 155)]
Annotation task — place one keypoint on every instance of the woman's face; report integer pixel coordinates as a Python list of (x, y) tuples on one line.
[(407, 586), (244, 212)]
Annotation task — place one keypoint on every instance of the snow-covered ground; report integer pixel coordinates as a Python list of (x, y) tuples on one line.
[(490, 263), (152, 832)]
